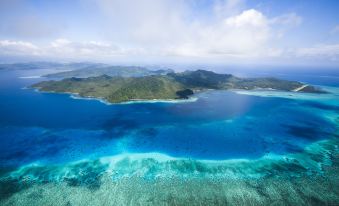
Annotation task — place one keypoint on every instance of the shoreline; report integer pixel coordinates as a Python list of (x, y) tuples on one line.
[(104, 101), (132, 101), (260, 92)]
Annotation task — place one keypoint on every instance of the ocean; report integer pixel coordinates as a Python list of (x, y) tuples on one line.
[(56, 149)]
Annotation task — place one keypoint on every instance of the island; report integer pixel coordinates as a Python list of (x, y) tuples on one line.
[(117, 89), (51, 66), (102, 69)]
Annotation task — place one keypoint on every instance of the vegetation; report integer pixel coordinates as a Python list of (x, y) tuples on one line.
[(170, 86), (184, 94), (98, 70)]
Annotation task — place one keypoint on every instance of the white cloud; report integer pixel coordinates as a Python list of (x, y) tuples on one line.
[(145, 22), (66, 47), (61, 48), (283, 23), (226, 8), (174, 29), (59, 43), (91, 50), (327, 51), (245, 34), (247, 18), (8, 47), (289, 19)]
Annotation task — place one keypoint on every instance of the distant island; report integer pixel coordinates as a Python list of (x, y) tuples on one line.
[(164, 86), (102, 69), (86, 69), (50, 65)]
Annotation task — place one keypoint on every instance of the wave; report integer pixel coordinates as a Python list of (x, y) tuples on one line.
[(136, 101), (30, 77)]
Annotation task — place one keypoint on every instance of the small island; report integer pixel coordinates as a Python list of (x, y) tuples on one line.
[(117, 89)]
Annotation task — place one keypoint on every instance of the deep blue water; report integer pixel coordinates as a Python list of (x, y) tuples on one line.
[(54, 128)]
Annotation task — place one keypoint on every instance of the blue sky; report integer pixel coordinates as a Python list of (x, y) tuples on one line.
[(294, 32)]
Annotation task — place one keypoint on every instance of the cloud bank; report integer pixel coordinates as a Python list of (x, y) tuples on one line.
[(224, 31)]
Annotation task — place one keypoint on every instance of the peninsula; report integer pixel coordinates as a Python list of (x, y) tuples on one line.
[(116, 89)]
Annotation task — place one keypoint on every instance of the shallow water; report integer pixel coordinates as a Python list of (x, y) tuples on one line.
[(240, 140)]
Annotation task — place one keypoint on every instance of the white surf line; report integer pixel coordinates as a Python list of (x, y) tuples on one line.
[(30, 77), (300, 88)]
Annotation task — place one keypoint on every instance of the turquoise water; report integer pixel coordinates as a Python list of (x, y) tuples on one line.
[(51, 141)]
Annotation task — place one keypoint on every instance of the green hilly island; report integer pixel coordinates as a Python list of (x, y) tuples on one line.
[(116, 89)]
